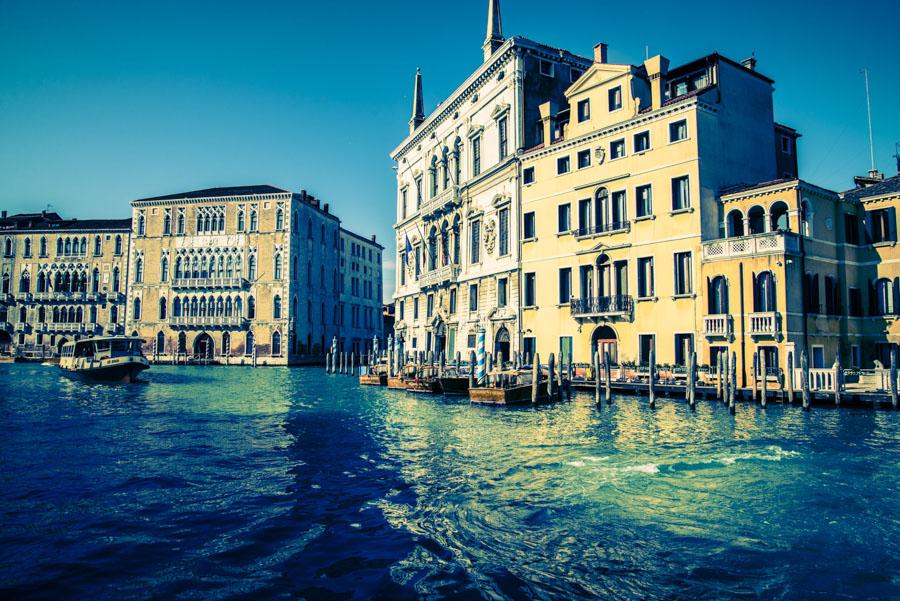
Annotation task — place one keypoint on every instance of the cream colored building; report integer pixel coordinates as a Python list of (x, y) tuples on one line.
[(62, 279), (361, 292)]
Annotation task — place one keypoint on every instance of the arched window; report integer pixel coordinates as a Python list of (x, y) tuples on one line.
[(445, 244), (115, 282), (433, 176), (251, 269), (277, 266), (220, 272), (756, 220), (445, 168), (162, 308), (182, 343), (204, 268), (59, 246), (5, 283), (432, 249), (178, 273), (42, 314), (734, 224), (194, 307), (764, 292), (226, 343), (229, 272), (93, 313), (84, 246), (276, 344), (25, 282), (167, 222), (139, 270), (27, 247), (180, 222), (164, 269), (228, 307), (43, 246), (118, 247), (95, 281), (248, 347), (220, 307), (778, 217), (718, 296), (141, 224), (456, 244), (176, 307), (42, 282), (160, 343), (251, 308), (136, 310), (202, 306), (886, 303), (254, 218), (98, 245), (68, 247), (114, 314), (276, 307), (279, 219), (457, 161)]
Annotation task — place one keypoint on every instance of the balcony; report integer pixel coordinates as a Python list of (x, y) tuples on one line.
[(6, 298), (772, 243), (201, 283), (441, 275), (613, 227), (22, 327), (764, 324), (115, 297), (113, 328), (440, 201), (6, 326), (24, 297), (602, 307), (210, 321), (718, 326), (71, 327)]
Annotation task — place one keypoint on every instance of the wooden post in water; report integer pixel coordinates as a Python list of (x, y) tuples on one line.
[(458, 363), (754, 373), (535, 379), (471, 369), (719, 376), (551, 375), (732, 382), (804, 379), (489, 367), (327, 361), (607, 376), (652, 379), (692, 380), (789, 378), (764, 384), (596, 377), (837, 379), (559, 377), (352, 363), (894, 378)]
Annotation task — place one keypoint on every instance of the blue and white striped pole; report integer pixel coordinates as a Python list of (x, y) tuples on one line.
[(334, 355), (375, 347), (479, 359)]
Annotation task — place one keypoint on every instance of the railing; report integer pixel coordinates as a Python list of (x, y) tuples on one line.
[(208, 320), (211, 282), (721, 326), (603, 305), (115, 297), (758, 244), (821, 379), (21, 327), (6, 326), (71, 326), (113, 327), (447, 273), (451, 193), (6, 297), (603, 228), (763, 324), (23, 296)]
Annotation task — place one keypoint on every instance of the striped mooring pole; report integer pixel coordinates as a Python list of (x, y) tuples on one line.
[(480, 359)]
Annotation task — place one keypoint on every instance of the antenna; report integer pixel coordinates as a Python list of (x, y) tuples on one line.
[(865, 72), (647, 52), (897, 155)]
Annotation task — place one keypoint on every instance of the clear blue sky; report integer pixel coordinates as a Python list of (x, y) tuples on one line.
[(105, 102)]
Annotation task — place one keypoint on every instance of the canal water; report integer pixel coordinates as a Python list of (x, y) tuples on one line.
[(239, 483)]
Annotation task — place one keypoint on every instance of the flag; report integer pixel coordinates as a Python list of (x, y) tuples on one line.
[(407, 250)]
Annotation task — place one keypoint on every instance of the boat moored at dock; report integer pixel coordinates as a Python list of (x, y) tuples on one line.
[(108, 358)]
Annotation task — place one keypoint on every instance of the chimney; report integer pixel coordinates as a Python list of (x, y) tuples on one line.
[(3, 214), (373, 237), (600, 53), (657, 68), (749, 63), (303, 195), (326, 208)]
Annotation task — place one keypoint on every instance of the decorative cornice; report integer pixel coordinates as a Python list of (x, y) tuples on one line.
[(209, 199)]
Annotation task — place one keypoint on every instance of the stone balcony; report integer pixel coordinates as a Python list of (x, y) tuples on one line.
[(6, 298), (432, 205), (607, 307), (767, 323), (22, 327), (69, 327), (441, 275), (771, 243), (24, 297), (718, 326), (613, 227), (6, 326), (208, 283), (208, 321)]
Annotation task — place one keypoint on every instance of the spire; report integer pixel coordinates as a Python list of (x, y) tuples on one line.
[(418, 115), (494, 38)]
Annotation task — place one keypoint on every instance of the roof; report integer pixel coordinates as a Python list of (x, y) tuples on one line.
[(52, 222), (714, 57), (737, 188), (362, 238), (887, 186), (221, 192)]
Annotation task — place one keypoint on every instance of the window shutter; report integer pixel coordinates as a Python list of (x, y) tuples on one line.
[(873, 303), (897, 296)]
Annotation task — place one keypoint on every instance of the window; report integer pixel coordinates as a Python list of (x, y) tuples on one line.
[(562, 165), (584, 110), (546, 68), (565, 285), (44, 246), (530, 290), (470, 340), (615, 98), (180, 222), (502, 290), (617, 149), (764, 293), (118, 246), (851, 229), (880, 225), (167, 222), (646, 345), (415, 309), (528, 232), (164, 269), (787, 146), (136, 309), (642, 141), (683, 273), (684, 346), (678, 131), (645, 277), (473, 297), (503, 133), (279, 219), (278, 269), (452, 301), (644, 201), (429, 305), (475, 246), (142, 224), (564, 218), (584, 159), (254, 220), (811, 299), (885, 297), (854, 296), (503, 234), (528, 175), (139, 270), (681, 193), (832, 296), (476, 156), (403, 203), (574, 74)]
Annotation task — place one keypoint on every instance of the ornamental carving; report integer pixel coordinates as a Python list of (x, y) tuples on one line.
[(490, 236)]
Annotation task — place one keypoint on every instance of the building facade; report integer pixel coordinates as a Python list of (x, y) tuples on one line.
[(361, 292), (61, 279), (458, 197)]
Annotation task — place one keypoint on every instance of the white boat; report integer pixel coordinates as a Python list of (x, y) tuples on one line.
[(110, 358)]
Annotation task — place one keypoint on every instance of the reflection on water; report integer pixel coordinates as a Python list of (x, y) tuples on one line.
[(216, 482)]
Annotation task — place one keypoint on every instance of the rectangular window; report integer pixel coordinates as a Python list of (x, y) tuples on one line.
[(415, 308), (786, 145), (565, 285), (683, 273), (528, 175), (678, 131), (584, 159), (684, 346), (400, 306), (681, 193), (880, 225), (503, 130), (502, 289), (473, 297), (646, 344), (615, 98), (562, 165), (470, 340), (528, 232), (851, 229), (617, 149), (584, 110), (503, 234), (418, 181), (476, 156), (644, 201), (584, 216), (642, 141), (429, 306), (452, 301), (546, 68), (529, 290), (645, 277), (475, 242), (403, 204), (528, 347), (564, 218), (854, 295)]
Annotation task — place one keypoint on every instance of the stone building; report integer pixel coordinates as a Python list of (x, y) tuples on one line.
[(61, 279), (361, 292), (458, 196)]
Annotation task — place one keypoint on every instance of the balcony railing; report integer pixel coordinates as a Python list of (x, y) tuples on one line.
[(603, 228), (23, 296), (6, 297), (63, 327), (447, 273), (112, 327), (747, 246), (763, 324), (6, 326), (602, 306), (115, 297), (195, 283), (432, 204), (21, 327), (718, 326), (232, 321)]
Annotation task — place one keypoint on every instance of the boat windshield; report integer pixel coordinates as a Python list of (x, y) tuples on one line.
[(126, 347)]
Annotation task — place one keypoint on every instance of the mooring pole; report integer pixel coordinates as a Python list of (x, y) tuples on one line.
[(733, 382), (754, 374), (607, 376), (837, 379), (535, 378), (789, 378), (458, 363), (471, 369), (804, 379), (764, 384), (692, 380), (596, 377), (559, 382), (551, 375), (327, 361), (652, 379), (894, 378), (719, 376)]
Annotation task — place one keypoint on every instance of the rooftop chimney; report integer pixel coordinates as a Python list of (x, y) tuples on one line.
[(657, 68), (4, 214), (326, 208), (373, 237), (600, 53), (749, 63)]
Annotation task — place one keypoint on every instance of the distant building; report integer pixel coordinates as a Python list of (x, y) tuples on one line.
[(62, 279), (361, 291), (388, 317)]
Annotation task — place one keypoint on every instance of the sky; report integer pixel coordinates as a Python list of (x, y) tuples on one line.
[(102, 103)]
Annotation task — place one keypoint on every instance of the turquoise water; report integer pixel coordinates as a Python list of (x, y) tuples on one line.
[(240, 483)]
